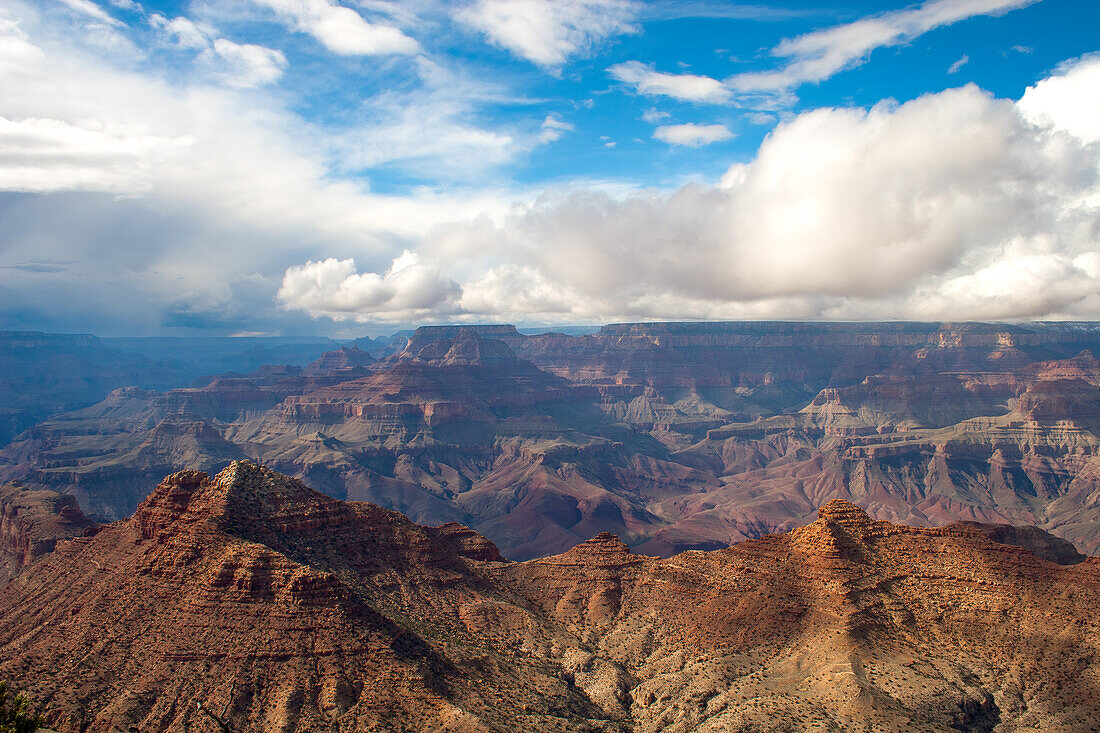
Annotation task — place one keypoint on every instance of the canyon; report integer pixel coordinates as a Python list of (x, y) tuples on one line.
[(250, 602), (45, 373), (673, 436)]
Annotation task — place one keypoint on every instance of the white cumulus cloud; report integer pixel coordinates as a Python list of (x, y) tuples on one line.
[(954, 205), (1069, 100), (180, 203), (509, 289), (408, 290), (44, 155), (1018, 287)]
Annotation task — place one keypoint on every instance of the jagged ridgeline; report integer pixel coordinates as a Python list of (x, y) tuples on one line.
[(672, 436), (252, 601)]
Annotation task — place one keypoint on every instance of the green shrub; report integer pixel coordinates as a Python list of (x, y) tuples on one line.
[(15, 712)]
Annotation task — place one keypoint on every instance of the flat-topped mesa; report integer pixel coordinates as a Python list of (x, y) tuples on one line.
[(490, 331), (930, 335), (603, 550), (428, 335)]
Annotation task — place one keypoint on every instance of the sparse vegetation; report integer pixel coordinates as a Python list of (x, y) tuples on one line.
[(15, 712)]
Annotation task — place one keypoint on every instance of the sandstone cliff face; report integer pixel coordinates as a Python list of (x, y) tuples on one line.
[(32, 521), (672, 436), (278, 608)]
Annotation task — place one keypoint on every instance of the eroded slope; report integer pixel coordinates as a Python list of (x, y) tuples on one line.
[(282, 609)]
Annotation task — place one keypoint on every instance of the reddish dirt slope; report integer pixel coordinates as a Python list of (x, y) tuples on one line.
[(280, 609)]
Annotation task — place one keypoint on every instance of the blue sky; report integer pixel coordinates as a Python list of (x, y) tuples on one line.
[(1005, 51), (281, 166)]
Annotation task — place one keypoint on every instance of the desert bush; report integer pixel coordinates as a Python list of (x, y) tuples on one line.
[(15, 712)]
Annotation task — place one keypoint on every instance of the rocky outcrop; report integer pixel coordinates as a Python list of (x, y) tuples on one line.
[(32, 521), (347, 360), (274, 607), (1042, 544)]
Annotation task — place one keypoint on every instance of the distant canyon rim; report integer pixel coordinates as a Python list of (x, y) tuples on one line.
[(673, 436)]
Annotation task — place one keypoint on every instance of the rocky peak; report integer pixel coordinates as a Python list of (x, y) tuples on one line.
[(242, 488), (252, 502), (249, 495), (186, 480), (345, 360), (841, 531), (845, 514), (603, 550), (466, 347), (168, 503), (459, 539), (364, 625)]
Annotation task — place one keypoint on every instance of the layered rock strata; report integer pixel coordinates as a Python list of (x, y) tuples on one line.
[(32, 521), (672, 436), (276, 608)]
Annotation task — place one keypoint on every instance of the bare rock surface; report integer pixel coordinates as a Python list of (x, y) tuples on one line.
[(31, 523), (281, 609)]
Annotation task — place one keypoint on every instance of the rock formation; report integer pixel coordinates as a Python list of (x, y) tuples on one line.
[(280, 609), (673, 436), (32, 521), (350, 361)]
